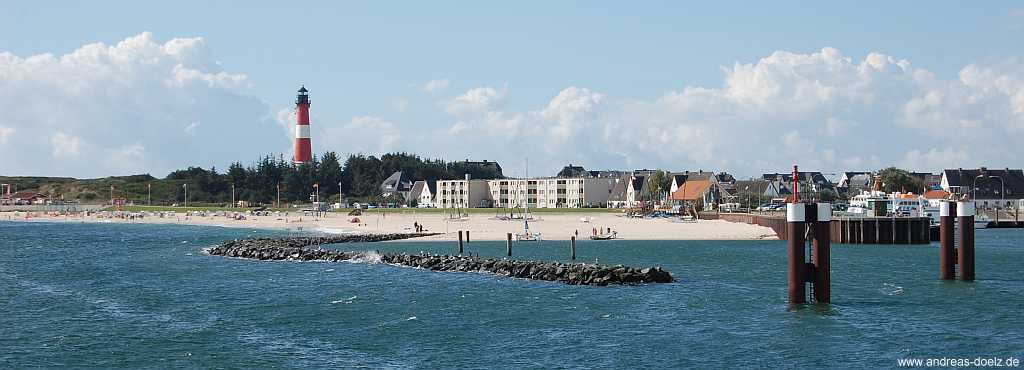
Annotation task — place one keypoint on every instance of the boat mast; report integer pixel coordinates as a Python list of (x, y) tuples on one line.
[(526, 199)]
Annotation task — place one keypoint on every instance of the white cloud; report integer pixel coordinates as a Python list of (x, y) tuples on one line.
[(126, 159), (65, 146), (100, 99), (5, 133), (477, 101), (822, 110), (435, 86), (162, 106), (364, 134)]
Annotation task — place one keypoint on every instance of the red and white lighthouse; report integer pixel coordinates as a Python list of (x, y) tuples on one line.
[(303, 149)]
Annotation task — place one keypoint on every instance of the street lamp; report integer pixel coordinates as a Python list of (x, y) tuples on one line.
[(186, 196), (316, 192), (233, 196), (1002, 191)]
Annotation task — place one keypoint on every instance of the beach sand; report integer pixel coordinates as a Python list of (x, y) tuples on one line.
[(552, 226)]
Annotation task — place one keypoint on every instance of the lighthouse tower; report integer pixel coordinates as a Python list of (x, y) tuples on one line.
[(303, 149)]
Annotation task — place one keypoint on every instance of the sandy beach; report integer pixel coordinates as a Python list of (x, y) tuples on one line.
[(552, 226)]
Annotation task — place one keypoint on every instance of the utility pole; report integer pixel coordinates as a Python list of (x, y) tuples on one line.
[(278, 205), (186, 196), (149, 194), (233, 196)]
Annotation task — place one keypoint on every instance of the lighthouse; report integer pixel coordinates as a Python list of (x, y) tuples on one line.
[(303, 149)]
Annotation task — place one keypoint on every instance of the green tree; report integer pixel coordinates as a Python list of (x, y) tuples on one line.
[(660, 183), (895, 179), (329, 174)]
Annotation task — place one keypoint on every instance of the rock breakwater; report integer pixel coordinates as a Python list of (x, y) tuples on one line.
[(295, 249)]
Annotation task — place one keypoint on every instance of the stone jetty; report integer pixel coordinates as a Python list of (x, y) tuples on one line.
[(295, 249)]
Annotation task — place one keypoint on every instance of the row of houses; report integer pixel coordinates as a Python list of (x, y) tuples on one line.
[(578, 188), (593, 189)]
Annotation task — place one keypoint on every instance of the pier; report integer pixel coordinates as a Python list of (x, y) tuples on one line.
[(852, 230)]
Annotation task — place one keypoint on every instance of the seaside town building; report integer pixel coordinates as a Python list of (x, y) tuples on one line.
[(396, 184), (462, 194), (990, 188), (756, 191), (810, 182), (28, 198), (699, 192), (631, 190), (578, 192), (422, 194), (854, 182)]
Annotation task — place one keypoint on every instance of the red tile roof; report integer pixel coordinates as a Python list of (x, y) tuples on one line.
[(936, 194), (691, 190)]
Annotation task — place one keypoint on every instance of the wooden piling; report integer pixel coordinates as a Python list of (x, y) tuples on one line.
[(573, 248), (947, 210), (822, 254), (965, 254), (508, 244), (460, 242)]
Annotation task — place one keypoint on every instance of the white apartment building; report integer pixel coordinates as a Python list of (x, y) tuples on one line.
[(550, 192), (462, 194)]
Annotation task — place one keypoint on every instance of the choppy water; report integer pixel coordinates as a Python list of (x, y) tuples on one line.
[(145, 296)]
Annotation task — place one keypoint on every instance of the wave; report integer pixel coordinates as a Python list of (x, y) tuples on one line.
[(367, 257), (890, 289), (345, 301), (335, 230)]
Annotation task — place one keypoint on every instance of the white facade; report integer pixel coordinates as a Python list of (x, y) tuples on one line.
[(426, 199), (462, 194), (550, 192)]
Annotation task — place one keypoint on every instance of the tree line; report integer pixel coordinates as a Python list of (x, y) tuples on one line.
[(360, 177)]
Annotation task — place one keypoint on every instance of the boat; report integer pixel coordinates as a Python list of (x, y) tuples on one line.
[(981, 221), (613, 235), (526, 235)]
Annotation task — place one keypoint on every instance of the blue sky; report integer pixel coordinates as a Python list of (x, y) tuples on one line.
[(368, 62)]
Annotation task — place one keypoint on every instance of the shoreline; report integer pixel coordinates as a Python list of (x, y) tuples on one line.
[(552, 226)]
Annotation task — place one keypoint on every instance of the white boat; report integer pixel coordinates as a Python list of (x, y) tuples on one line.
[(871, 203), (526, 235)]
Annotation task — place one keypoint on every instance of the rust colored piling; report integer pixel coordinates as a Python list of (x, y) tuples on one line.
[(947, 227), (508, 244), (795, 216), (573, 248), (460, 242), (965, 254), (822, 254)]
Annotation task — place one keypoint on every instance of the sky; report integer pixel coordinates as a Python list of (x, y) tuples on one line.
[(117, 88)]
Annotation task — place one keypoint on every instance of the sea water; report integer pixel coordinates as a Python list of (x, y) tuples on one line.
[(146, 296)]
